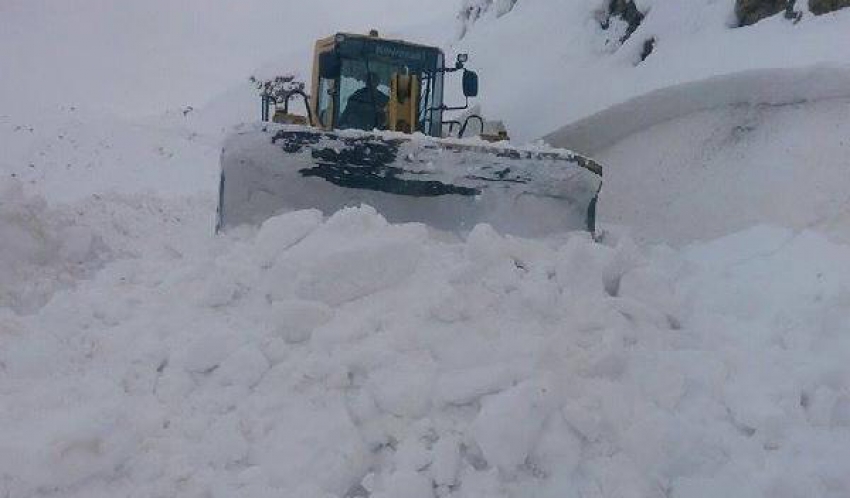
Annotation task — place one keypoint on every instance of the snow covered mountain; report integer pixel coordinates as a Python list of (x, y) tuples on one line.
[(342, 356)]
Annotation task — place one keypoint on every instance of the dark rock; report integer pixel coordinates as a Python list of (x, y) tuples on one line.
[(627, 11), (648, 47), (752, 11), (474, 9), (819, 7)]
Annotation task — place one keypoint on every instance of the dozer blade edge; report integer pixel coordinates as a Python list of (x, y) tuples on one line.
[(449, 184)]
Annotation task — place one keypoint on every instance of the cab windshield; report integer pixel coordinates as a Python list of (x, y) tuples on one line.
[(363, 88)]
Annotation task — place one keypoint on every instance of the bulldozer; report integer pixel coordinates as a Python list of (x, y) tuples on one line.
[(377, 132)]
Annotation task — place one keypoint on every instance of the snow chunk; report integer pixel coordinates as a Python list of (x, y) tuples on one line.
[(295, 320), (279, 233), (404, 389), (318, 441), (207, 351), (243, 368), (510, 422), (408, 484), (446, 461), (559, 448)]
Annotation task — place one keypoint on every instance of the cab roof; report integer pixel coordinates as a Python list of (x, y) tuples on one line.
[(368, 37)]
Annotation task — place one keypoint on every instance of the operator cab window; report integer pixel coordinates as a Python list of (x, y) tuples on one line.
[(364, 93), (325, 101)]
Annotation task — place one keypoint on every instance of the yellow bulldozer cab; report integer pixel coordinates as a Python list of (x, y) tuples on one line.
[(366, 82)]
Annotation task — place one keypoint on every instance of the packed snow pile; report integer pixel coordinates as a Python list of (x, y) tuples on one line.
[(351, 357)]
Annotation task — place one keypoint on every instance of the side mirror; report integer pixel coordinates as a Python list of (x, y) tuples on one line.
[(329, 66), (470, 84)]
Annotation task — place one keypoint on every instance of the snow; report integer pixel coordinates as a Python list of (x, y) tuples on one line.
[(690, 372), (40, 250), (72, 154), (341, 355)]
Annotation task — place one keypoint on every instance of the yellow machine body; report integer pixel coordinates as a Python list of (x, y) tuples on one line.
[(403, 105)]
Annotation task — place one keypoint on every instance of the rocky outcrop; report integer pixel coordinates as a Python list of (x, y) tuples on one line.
[(628, 12), (472, 10), (819, 7), (648, 47), (621, 19), (752, 11)]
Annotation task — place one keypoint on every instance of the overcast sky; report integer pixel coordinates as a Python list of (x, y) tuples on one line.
[(141, 57)]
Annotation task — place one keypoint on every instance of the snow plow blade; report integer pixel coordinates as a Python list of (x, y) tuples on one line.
[(268, 169)]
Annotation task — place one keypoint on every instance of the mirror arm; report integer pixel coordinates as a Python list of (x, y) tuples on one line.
[(264, 111), (448, 69), (300, 93), (306, 105), (466, 123), (452, 123)]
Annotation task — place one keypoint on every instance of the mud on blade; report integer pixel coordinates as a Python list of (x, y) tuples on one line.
[(448, 184)]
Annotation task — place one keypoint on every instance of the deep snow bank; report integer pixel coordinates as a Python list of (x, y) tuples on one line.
[(765, 87), (717, 171), (350, 357)]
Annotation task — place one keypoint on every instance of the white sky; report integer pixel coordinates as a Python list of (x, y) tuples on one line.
[(141, 57)]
